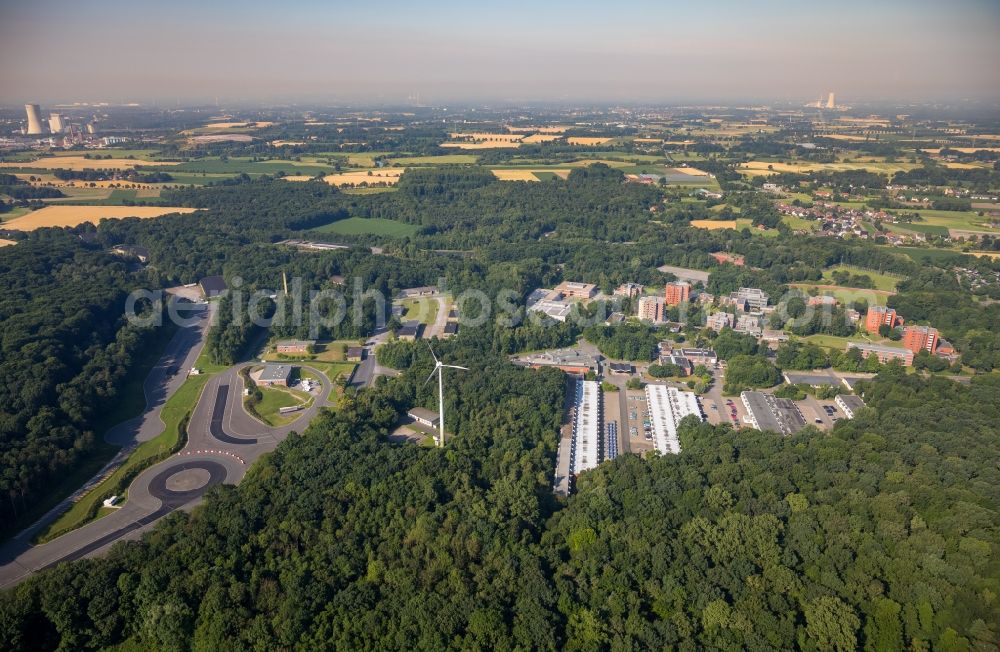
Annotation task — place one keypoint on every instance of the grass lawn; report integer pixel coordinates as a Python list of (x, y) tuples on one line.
[(840, 343), (369, 226), (799, 224), (882, 281), (275, 398), (174, 410), (920, 255), (847, 296), (17, 211), (421, 309)]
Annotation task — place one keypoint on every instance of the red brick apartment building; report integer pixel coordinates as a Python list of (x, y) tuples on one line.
[(677, 293), (879, 315), (917, 338)]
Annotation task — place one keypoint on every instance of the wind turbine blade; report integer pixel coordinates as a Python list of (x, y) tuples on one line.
[(455, 366), (430, 376), (432, 353)]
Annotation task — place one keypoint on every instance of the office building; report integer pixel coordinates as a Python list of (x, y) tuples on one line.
[(586, 446), (884, 353), (767, 412), (849, 403)]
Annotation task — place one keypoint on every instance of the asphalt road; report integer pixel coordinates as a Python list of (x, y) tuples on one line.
[(223, 439)]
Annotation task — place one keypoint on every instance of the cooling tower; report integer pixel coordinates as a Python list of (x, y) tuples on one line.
[(34, 119), (830, 104), (56, 123)]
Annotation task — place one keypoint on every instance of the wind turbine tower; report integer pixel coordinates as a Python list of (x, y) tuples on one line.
[(439, 368)]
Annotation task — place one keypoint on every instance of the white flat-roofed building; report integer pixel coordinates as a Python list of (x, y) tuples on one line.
[(586, 445), (667, 407), (849, 403)]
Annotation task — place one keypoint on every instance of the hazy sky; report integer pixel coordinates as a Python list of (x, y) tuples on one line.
[(386, 50)]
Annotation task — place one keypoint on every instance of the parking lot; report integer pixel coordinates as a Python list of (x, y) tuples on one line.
[(640, 428)]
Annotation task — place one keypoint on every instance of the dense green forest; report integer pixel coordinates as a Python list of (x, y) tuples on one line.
[(880, 535), (65, 349), (877, 536)]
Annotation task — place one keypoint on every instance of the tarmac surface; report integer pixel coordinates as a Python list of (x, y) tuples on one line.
[(223, 440)]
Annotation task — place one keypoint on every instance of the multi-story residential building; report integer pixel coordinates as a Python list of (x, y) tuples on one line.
[(630, 290), (880, 315), (677, 293), (917, 338), (651, 309)]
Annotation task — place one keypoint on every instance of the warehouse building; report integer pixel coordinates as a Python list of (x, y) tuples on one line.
[(585, 450), (767, 412), (667, 407)]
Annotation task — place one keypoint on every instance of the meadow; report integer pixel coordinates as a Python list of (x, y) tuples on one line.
[(83, 163), (368, 226), (881, 281)]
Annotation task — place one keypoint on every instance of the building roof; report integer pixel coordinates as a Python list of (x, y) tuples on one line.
[(273, 372), (213, 285), (775, 414), (852, 402), (450, 328), (423, 414), (355, 350), (409, 329), (295, 342), (621, 366), (879, 348)]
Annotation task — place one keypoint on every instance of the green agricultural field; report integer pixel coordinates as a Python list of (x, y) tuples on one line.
[(882, 281), (369, 226), (918, 227), (443, 159), (244, 165), (545, 176), (368, 191), (967, 220)]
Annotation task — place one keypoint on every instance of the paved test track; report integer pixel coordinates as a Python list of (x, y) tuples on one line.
[(219, 429), (169, 501)]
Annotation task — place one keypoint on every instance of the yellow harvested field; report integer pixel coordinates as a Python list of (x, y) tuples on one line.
[(370, 177), (297, 177), (515, 175), (582, 140), (843, 137), (648, 140), (74, 215), (713, 225), (7, 243), (965, 166), (470, 145), (995, 255), (537, 130), (81, 163), (541, 138), (693, 172), (484, 137)]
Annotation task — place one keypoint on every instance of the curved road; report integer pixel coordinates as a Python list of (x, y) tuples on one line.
[(223, 439)]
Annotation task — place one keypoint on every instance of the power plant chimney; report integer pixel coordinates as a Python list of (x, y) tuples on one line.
[(830, 103), (34, 119)]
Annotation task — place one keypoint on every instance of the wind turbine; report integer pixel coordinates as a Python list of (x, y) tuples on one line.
[(439, 368)]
